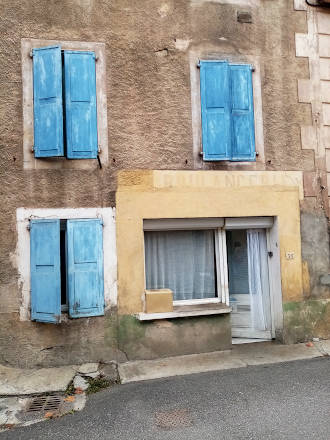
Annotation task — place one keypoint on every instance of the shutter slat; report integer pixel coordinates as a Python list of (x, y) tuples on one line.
[(243, 141), (80, 105), (45, 271), (47, 102), (215, 104), (85, 268)]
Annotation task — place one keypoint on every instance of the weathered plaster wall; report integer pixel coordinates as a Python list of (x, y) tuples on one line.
[(147, 46)]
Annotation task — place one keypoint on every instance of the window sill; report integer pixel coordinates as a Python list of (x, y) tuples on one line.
[(187, 311)]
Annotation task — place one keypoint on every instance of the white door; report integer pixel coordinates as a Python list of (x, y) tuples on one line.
[(248, 277)]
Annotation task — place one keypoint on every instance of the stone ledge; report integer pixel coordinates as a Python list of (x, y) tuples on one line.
[(187, 311)]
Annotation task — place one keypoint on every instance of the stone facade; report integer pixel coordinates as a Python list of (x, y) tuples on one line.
[(152, 123)]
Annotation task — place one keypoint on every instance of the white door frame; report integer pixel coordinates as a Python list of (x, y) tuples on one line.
[(274, 272)]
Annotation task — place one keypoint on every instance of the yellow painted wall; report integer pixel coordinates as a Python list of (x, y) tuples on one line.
[(192, 194)]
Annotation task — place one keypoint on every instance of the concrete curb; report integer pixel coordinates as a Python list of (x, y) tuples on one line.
[(240, 356)]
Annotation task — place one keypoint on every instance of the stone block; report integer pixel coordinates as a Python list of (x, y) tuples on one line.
[(325, 68), (14, 381), (323, 22), (325, 137), (327, 158), (300, 5), (325, 91), (308, 137), (303, 45), (324, 46), (311, 186), (326, 114), (305, 90), (158, 301)]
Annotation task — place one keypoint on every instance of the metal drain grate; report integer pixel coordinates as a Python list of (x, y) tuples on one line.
[(173, 419), (45, 403)]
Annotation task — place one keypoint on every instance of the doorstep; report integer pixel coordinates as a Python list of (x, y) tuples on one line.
[(239, 356)]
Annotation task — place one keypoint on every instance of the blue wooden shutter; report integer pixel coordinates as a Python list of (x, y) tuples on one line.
[(243, 143), (85, 268), (45, 270), (80, 105), (47, 102), (215, 103)]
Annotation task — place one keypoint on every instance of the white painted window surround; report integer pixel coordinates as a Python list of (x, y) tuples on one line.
[(208, 51), (22, 256), (29, 161)]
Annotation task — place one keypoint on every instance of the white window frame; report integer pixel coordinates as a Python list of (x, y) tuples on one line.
[(219, 226), (215, 224)]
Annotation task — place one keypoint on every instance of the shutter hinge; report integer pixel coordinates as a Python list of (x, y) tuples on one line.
[(96, 58), (32, 148), (253, 69), (201, 153), (28, 227), (198, 65), (31, 54), (99, 149)]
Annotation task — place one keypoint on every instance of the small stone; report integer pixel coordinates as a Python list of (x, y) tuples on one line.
[(316, 339), (88, 368), (93, 375), (9, 425), (309, 344), (80, 382), (109, 371), (78, 391), (49, 415)]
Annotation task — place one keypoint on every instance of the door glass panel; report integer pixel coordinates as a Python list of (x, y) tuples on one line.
[(237, 262), (248, 282)]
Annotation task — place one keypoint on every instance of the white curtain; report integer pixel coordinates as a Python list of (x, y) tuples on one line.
[(183, 261), (258, 279)]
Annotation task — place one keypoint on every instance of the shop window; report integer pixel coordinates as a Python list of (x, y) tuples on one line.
[(183, 261)]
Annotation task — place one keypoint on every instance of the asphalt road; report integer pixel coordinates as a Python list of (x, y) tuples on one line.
[(280, 401)]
